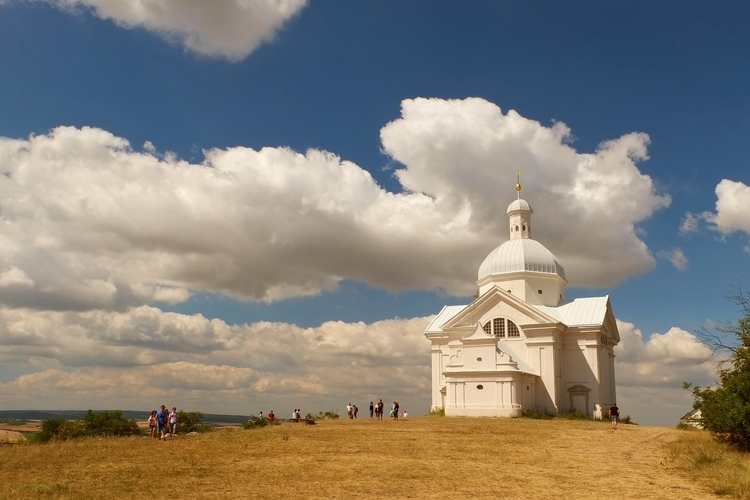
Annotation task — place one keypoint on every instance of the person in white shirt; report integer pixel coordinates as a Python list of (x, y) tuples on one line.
[(173, 421)]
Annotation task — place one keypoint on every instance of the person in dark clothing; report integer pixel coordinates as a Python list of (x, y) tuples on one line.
[(614, 413)]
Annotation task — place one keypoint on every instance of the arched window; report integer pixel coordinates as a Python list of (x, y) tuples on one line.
[(502, 328), (513, 330), (498, 326)]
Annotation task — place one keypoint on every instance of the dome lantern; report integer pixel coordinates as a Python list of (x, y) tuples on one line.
[(521, 265)]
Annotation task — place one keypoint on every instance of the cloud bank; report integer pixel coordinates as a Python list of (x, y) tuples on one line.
[(650, 374), (88, 222), (106, 360), (123, 360), (230, 29)]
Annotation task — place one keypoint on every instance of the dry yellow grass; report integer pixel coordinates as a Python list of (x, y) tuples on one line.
[(424, 457), (722, 470)]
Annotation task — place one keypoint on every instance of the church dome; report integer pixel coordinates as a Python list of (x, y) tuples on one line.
[(520, 255), (520, 204)]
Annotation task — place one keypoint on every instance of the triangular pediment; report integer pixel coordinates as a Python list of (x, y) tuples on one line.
[(610, 323), (469, 314)]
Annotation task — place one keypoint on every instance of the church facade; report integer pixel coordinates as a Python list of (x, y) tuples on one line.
[(521, 345)]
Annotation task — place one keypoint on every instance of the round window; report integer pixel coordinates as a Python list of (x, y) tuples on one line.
[(480, 387)]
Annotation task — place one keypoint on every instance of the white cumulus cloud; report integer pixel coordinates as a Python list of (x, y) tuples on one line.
[(465, 154), (89, 222), (231, 29), (732, 211), (650, 374)]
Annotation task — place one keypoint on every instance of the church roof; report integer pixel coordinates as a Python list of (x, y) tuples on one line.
[(579, 312), (443, 316), (520, 255)]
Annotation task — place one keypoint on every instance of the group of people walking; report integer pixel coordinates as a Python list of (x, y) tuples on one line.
[(163, 423), (377, 409), (296, 415), (352, 410)]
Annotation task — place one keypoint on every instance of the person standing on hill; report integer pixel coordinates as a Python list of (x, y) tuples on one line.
[(381, 407), (614, 413), (162, 417), (372, 408), (152, 424), (173, 421)]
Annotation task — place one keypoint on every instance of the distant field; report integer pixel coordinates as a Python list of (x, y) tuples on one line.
[(423, 457)]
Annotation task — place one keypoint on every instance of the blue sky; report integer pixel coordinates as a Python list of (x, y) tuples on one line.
[(260, 204)]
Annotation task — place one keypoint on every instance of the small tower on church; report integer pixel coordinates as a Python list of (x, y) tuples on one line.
[(522, 266)]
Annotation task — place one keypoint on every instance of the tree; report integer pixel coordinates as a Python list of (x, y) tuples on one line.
[(109, 423), (106, 423), (192, 421), (725, 410)]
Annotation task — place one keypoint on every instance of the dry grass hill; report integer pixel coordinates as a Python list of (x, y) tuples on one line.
[(423, 457)]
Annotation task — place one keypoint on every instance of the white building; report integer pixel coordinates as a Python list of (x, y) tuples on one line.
[(521, 344)]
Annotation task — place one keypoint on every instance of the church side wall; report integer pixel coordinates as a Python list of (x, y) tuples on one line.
[(584, 364), (439, 354), (613, 382)]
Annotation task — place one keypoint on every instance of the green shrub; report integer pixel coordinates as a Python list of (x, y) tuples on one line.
[(108, 423), (725, 410), (627, 420), (576, 415), (192, 421), (535, 414), (59, 429), (437, 412), (12, 421), (329, 415), (255, 422)]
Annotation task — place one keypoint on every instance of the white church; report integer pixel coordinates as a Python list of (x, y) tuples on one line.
[(520, 344)]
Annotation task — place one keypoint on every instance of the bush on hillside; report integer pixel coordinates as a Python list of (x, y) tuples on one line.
[(12, 421), (329, 415), (627, 420), (535, 414), (725, 410), (191, 421), (59, 429), (106, 423), (255, 422)]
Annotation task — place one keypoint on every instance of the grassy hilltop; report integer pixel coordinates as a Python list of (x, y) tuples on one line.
[(423, 457)]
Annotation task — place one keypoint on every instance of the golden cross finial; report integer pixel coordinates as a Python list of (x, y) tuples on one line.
[(518, 183)]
